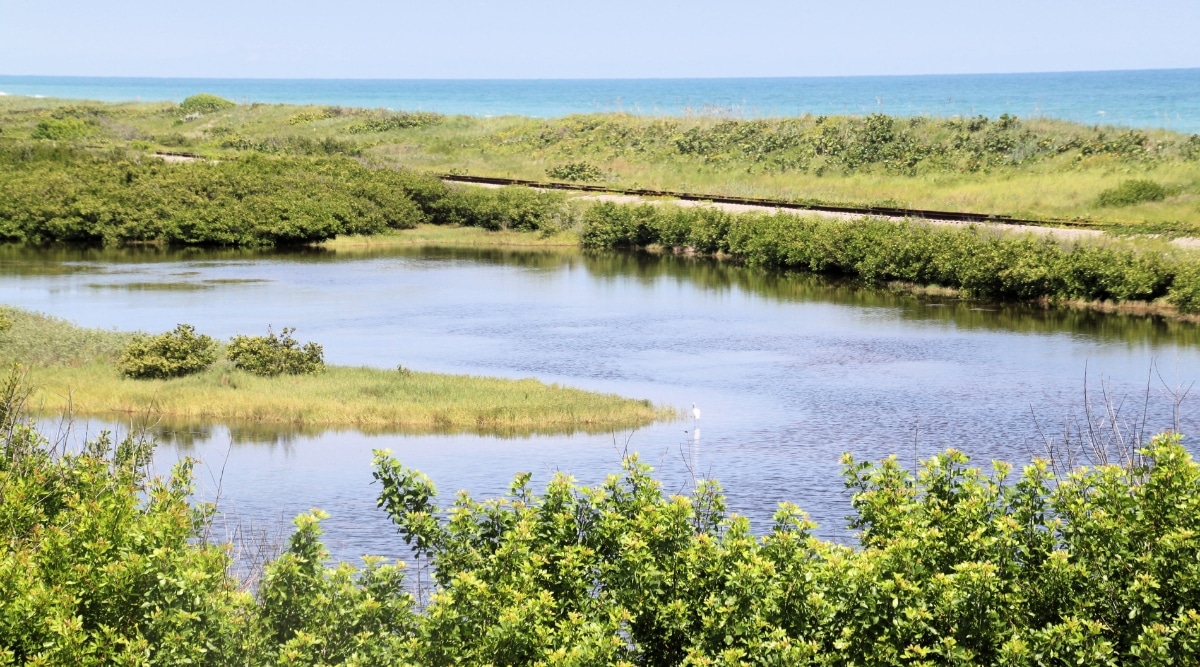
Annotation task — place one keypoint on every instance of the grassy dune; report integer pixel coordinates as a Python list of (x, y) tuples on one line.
[(1038, 168), (72, 371)]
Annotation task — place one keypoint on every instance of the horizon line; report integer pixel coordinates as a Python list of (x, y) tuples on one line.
[(598, 78)]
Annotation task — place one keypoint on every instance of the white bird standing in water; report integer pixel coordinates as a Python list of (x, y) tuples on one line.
[(695, 412)]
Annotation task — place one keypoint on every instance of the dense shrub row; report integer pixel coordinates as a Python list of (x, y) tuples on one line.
[(54, 194), (100, 564), (997, 266)]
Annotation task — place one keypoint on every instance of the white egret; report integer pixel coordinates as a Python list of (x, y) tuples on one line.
[(695, 412)]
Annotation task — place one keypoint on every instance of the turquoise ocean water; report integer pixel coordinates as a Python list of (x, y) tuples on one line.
[(1146, 99)]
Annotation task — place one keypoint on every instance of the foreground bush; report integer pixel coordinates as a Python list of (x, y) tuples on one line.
[(275, 354), (101, 564), (989, 265), (168, 355)]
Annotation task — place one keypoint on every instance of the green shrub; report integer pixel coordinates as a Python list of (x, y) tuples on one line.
[(275, 354), (313, 116), (313, 615), (203, 103), (954, 567), (167, 355), (576, 172), (513, 208), (401, 120), (294, 145), (1185, 289), (102, 565), (1132, 192), (62, 129)]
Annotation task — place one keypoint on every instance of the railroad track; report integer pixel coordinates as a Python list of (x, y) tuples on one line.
[(884, 211)]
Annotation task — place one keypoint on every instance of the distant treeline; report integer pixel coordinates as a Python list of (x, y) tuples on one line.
[(984, 263), (57, 194)]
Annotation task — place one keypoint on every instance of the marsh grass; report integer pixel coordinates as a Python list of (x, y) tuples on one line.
[(72, 370)]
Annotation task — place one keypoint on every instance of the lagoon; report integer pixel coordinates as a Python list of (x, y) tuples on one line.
[(790, 370)]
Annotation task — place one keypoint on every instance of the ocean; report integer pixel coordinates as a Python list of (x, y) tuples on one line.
[(1144, 99)]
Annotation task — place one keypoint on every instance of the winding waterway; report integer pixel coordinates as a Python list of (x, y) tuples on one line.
[(789, 370)]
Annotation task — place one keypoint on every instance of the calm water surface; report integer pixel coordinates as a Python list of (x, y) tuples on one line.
[(789, 370)]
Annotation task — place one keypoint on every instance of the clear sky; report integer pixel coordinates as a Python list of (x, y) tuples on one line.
[(614, 39)]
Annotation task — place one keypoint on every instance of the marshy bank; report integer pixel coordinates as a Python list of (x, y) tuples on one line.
[(74, 371)]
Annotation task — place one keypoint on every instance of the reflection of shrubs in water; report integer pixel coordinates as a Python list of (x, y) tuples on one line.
[(275, 354), (1132, 192), (172, 354)]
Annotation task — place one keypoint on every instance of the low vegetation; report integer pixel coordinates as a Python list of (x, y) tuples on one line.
[(275, 354), (73, 371), (167, 355), (103, 564), (981, 262), (203, 103), (576, 171), (64, 195), (1129, 193)]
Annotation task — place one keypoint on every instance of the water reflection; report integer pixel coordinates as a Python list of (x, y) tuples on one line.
[(791, 369), (185, 433)]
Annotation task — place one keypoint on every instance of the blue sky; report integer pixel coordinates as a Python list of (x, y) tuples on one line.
[(617, 39)]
